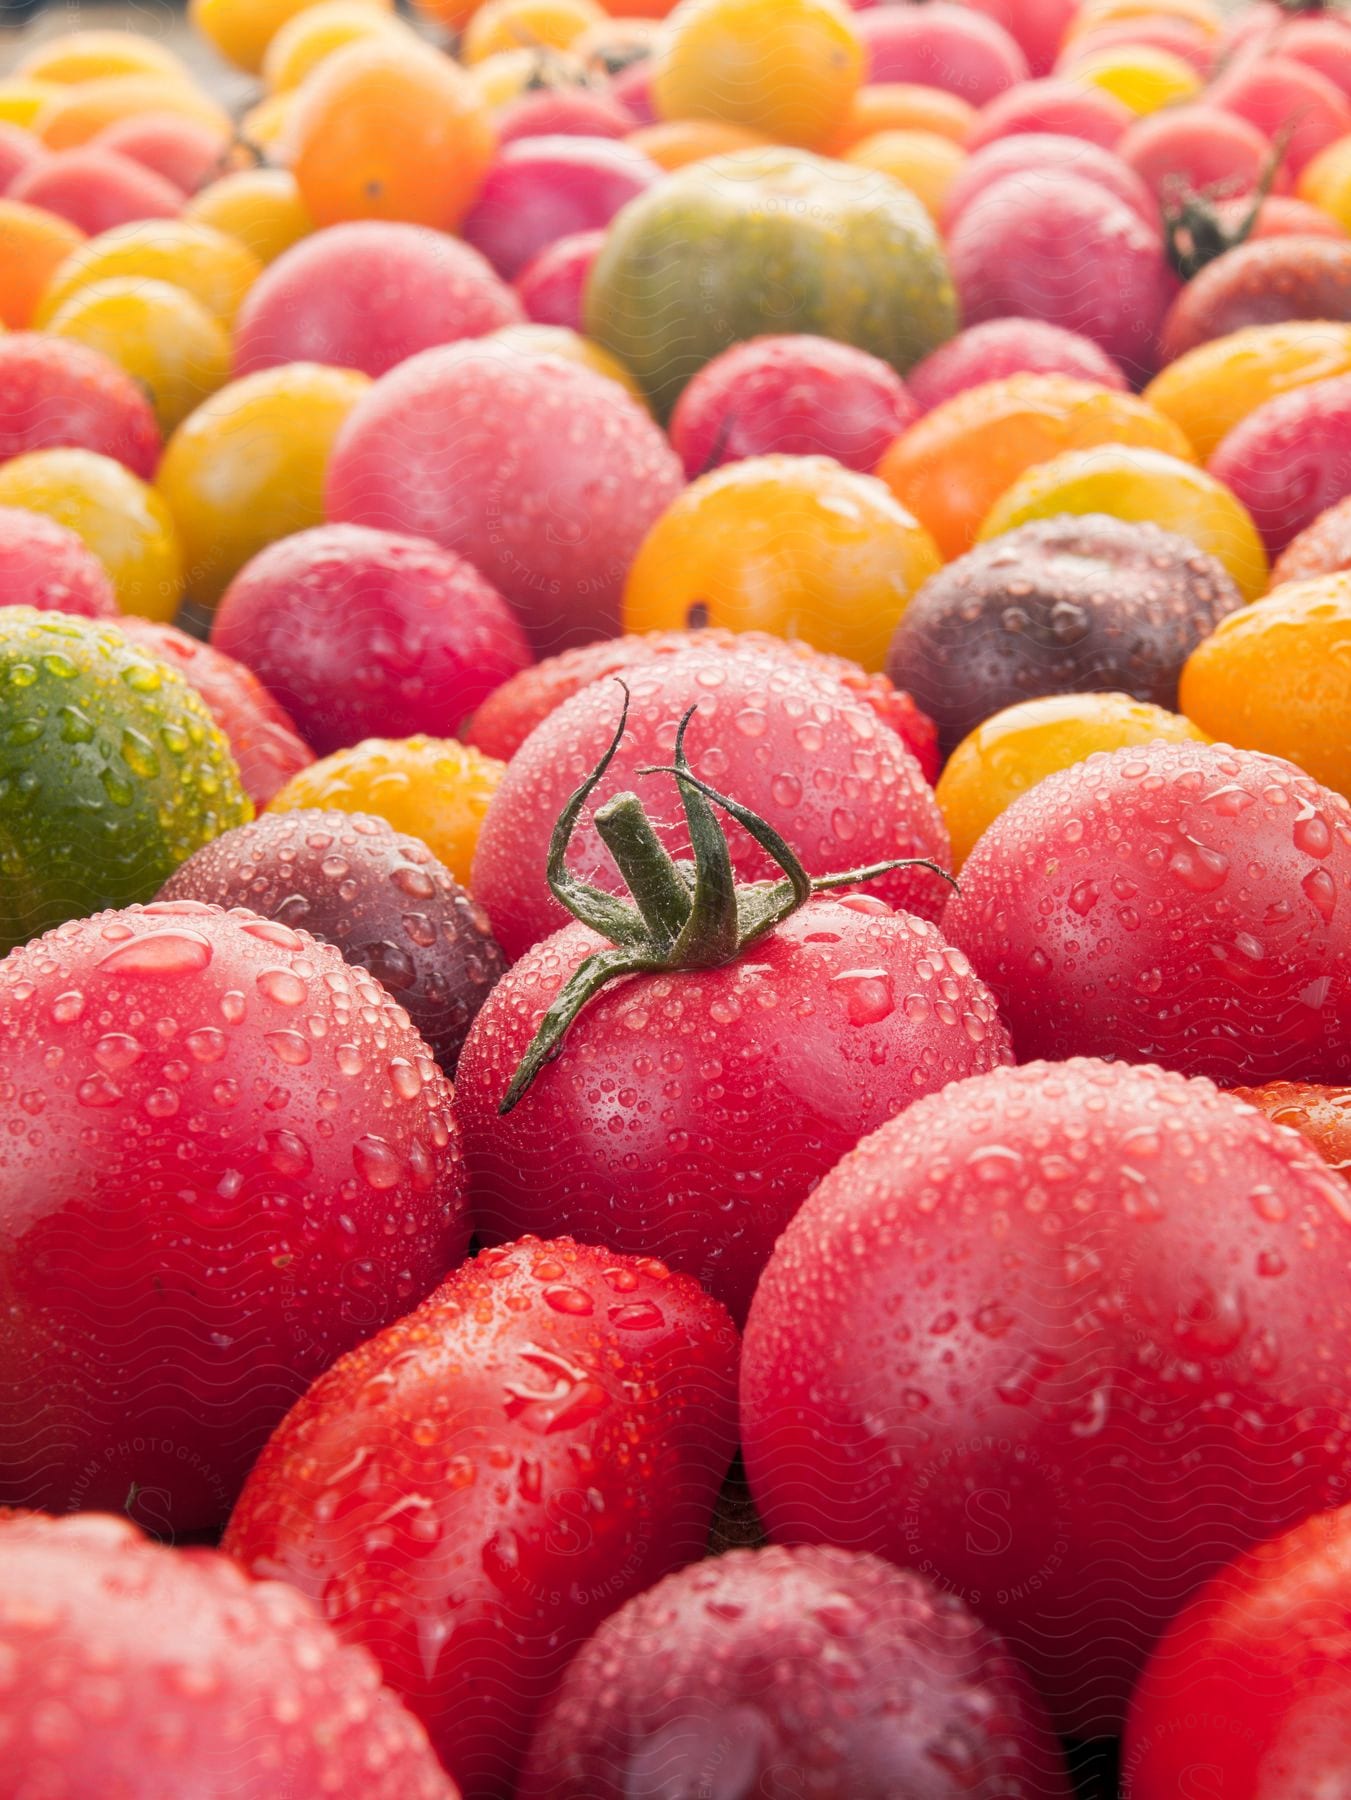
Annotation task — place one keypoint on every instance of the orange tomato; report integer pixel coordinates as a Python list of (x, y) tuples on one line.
[(952, 466), (794, 545), (33, 246), (214, 268), (527, 24), (788, 68), (1277, 677), (674, 143), (902, 106), (260, 207), (1318, 1112), (434, 788), (384, 130), (922, 161), (1326, 182), (22, 100), (1210, 389), (74, 115)]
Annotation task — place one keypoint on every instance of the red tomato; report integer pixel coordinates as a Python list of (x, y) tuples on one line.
[(1003, 347), (1288, 461), (182, 150), (55, 393), (1067, 108), (1249, 1694), (19, 150), (551, 284), (1036, 26), (163, 1673), (788, 742), (1045, 1338), (1274, 94), (509, 714), (940, 45), (1194, 147), (469, 1493), (565, 112), (97, 189), (1043, 150), (45, 565), (1322, 548), (1261, 283), (237, 1160), (541, 189), (1178, 903), (880, 1686)]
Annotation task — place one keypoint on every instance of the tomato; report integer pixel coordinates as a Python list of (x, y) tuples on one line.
[(1326, 181), (124, 522), (952, 466), (1322, 548), (1273, 677), (184, 152), (511, 712), (242, 30), (540, 189), (431, 788), (19, 150), (1004, 347), (1210, 389), (312, 36), (45, 565), (262, 736), (566, 112), (1248, 1690), (55, 394), (539, 24), (368, 296), (1179, 903), (1051, 245), (1143, 78), (77, 114), (550, 286), (788, 68), (955, 48), (73, 57), (378, 895), (248, 466), (792, 545), (1263, 283), (22, 99), (36, 244), (167, 342), (261, 207), (560, 1418), (1321, 1114), (1191, 148), (1036, 26), (529, 339), (1180, 38), (214, 268), (1065, 108), (994, 1336), (1276, 93), (1287, 459), (203, 1061), (1013, 750), (95, 189), (921, 161), (799, 749), (800, 396), (387, 130), (170, 1673), (1031, 151), (853, 1643), (558, 476), (361, 633), (902, 106), (675, 143)]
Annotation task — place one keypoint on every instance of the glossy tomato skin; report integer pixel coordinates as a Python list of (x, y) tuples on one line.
[(1045, 1338), (55, 394), (1290, 459), (1063, 605), (224, 1126), (1177, 903), (1261, 283), (1321, 1114), (263, 736), (1250, 1691), (795, 1674), (469, 1493), (166, 1673), (788, 742), (510, 713), (44, 564), (690, 1114)]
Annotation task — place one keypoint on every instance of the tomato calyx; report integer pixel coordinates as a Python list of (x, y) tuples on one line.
[(685, 915), (1195, 230)]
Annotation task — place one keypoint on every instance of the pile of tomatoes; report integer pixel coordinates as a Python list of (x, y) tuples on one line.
[(675, 898)]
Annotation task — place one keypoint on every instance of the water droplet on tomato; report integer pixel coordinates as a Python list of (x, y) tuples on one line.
[(1322, 891), (571, 1300), (166, 953), (282, 986), (868, 995), (376, 1163), (638, 1315)]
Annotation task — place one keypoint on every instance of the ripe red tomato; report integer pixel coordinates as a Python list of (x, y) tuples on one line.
[(1063, 1338), (97, 189), (1186, 904), (1003, 347), (689, 1114), (44, 564), (1249, 1694), (957, 48), (235, 1158), (56, 393), (1322, 548), (182, 150), (1067, 108), (1191, 148), (804, 1672), (136, 1669), (1289, 460), (1276, 93), (468, 1494), (565, 112), (788, 742), (19, 150), (1261, 283), (551, 284), (540, 189), (1042, 150)]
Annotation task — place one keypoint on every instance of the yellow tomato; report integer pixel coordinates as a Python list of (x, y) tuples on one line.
[(793, 545), (260, 207), (1277, 677), (76, 56), (74, 115), (242, 29), (21, 100), (675, 143), (571, 346), (434, 788), (1208, 390), (1141, 485), (213, 268), (789, 68), (248, 466), (124, 522), (1017, 748), (527, 24), (306, 40), (1142, 78), (159, 334), (507, 74), (1326, 182), (34, 244), (922, 161)]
